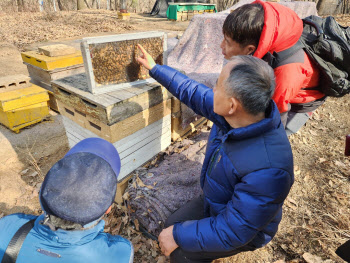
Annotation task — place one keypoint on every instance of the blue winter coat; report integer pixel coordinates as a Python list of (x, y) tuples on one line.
[(44, 245), (247, 174)]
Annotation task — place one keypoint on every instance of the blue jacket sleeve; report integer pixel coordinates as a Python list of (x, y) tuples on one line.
[(198, 97), (255, 203)]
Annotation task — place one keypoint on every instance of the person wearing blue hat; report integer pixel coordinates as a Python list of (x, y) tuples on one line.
[(76, 193)]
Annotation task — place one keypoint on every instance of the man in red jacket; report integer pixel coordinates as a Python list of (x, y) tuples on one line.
[(263, 27)]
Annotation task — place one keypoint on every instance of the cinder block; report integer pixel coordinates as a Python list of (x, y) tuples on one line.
[(57, 50), (14, 82)]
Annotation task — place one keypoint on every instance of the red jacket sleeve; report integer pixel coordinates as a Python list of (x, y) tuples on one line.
[(289, 80)]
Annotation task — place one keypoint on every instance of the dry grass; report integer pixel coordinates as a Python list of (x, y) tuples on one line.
[(42, 27)]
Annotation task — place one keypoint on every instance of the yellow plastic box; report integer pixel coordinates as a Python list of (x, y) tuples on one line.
[(23, 107), (20, 98), (25, 116)]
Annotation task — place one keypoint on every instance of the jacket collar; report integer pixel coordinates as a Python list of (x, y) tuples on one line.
[(272, 121), (64, 237)]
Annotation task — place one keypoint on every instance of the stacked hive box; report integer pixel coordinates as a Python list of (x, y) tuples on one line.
[(135, 118), (21, 103), (51, 63), (177, 129)]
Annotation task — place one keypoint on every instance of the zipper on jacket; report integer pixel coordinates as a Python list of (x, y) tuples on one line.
[(212, 161)]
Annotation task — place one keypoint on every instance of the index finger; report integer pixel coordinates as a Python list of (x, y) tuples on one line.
[(141, 48)]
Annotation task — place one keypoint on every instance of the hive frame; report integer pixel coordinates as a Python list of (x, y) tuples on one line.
[(98, 89)]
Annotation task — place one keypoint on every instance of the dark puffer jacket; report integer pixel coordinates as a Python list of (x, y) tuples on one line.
[(246, 176)]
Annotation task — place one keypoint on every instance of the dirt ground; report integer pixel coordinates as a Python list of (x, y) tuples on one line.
[(316, 214)]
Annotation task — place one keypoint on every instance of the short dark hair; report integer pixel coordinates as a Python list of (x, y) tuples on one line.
[(245, 24), (252, 82)]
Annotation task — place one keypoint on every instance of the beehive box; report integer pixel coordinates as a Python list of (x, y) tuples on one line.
[(111, 107), (39, 60), (177, 130), (44, 77), (121, 129), (23, 107), (50, 63), (110, 61), (135, 149), (20, 98)]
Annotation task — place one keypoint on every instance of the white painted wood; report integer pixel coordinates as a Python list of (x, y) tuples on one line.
[(132, 139), (127, 145), (123, 144), (75, 137), (146, 140), (122, 37), (135, 149), (139, 157), (110, 88)]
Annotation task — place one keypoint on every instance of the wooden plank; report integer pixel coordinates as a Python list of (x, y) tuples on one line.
[(146, 140), (57, 50), (119, 130), (121, 94), (20, 98), (144, 154), (125, 144), (50, 63), (47, 76), (133, 160), (177, 131), (107, 109), (14, 82), (121, 187), (175, 107)]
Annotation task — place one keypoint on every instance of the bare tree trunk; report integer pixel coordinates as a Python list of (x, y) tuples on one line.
[(87, 4), (20, 5), (115, 5), (60, 6), (81, 4)]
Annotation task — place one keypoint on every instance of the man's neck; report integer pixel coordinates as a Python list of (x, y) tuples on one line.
[(244, 119)]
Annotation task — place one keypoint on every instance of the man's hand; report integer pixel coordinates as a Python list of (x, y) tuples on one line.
[(166, 241), (145, 59)]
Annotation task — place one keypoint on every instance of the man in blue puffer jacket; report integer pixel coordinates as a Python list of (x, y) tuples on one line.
[(76, 193), (248, 168)]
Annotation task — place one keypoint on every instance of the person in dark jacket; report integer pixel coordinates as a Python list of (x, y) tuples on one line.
[(264, 27), (248, 168), (76, 193)]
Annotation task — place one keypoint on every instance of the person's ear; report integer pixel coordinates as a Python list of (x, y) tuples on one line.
[(234, 103), (108, 210), (249, 50)]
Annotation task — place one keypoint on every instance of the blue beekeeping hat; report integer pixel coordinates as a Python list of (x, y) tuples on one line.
[(82, 185)]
